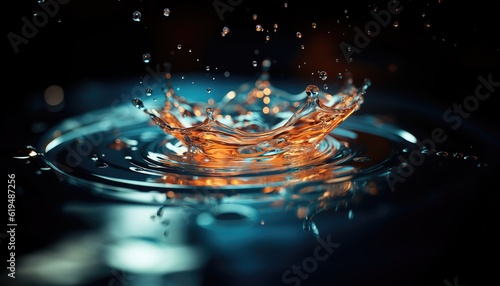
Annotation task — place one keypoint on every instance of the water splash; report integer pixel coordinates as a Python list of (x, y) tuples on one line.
[(256, 122)]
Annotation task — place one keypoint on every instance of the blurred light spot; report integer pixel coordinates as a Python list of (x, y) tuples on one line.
[(392, 67), (53, 95), (148, 256)]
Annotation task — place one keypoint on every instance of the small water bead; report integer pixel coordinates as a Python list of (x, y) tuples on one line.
[(146, 57), (323, 75), (225, 31), (94, 157), (259, 28), (395, 24), (138, 104), (314, 25), (207, 68), (166, 12), (209, 90), (149, 91), (312, 91), (268, 38), (136, 16), (299, 35), (340, 75), (179, 46), (302, 47), (210, 113), (254, 17), (442, 153), (325, 86), (254, 64), (471, 158)]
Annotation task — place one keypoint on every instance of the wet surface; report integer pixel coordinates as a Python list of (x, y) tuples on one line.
[(426, 215)]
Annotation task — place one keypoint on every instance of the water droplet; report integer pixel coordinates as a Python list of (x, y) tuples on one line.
[(209, 90), (395, 24), (254, 16), (323, 75), (259, 28), (325, 86), (138, 103), (149, 91), (146, 57), (128, 158), (340, 75), (94, 157), (286, 5), (314, 25), (471, 158), (254, 64), (442, 153), (179, 46), (350, 215), (166, 12), (26, 153), (312, 91), (225, 31), (207, 68), (299, 35), (268, 38), (210, 113), (136, 16)]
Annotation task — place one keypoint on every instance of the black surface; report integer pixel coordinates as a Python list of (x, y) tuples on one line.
[(439, 225)]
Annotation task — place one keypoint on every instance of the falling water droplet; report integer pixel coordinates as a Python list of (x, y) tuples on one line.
[(350, 215), (179, 46), (225, 31), (209, 90), (314, 25), (166, 12), (149, 91), (254, 64), (136, 16), (146, 57), (323, 75), (207, 68), (259, 28), (94, 157), (138, 103), (299, 35)]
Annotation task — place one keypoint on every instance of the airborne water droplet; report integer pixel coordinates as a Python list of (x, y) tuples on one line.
[(254, 63), (259, 28), (323, 75), (149, 91), (225, 31), (146, 58), (136, 16), (166, 12), (299, 35)]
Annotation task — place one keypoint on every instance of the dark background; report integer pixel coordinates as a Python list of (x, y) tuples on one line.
[(96, 43)]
